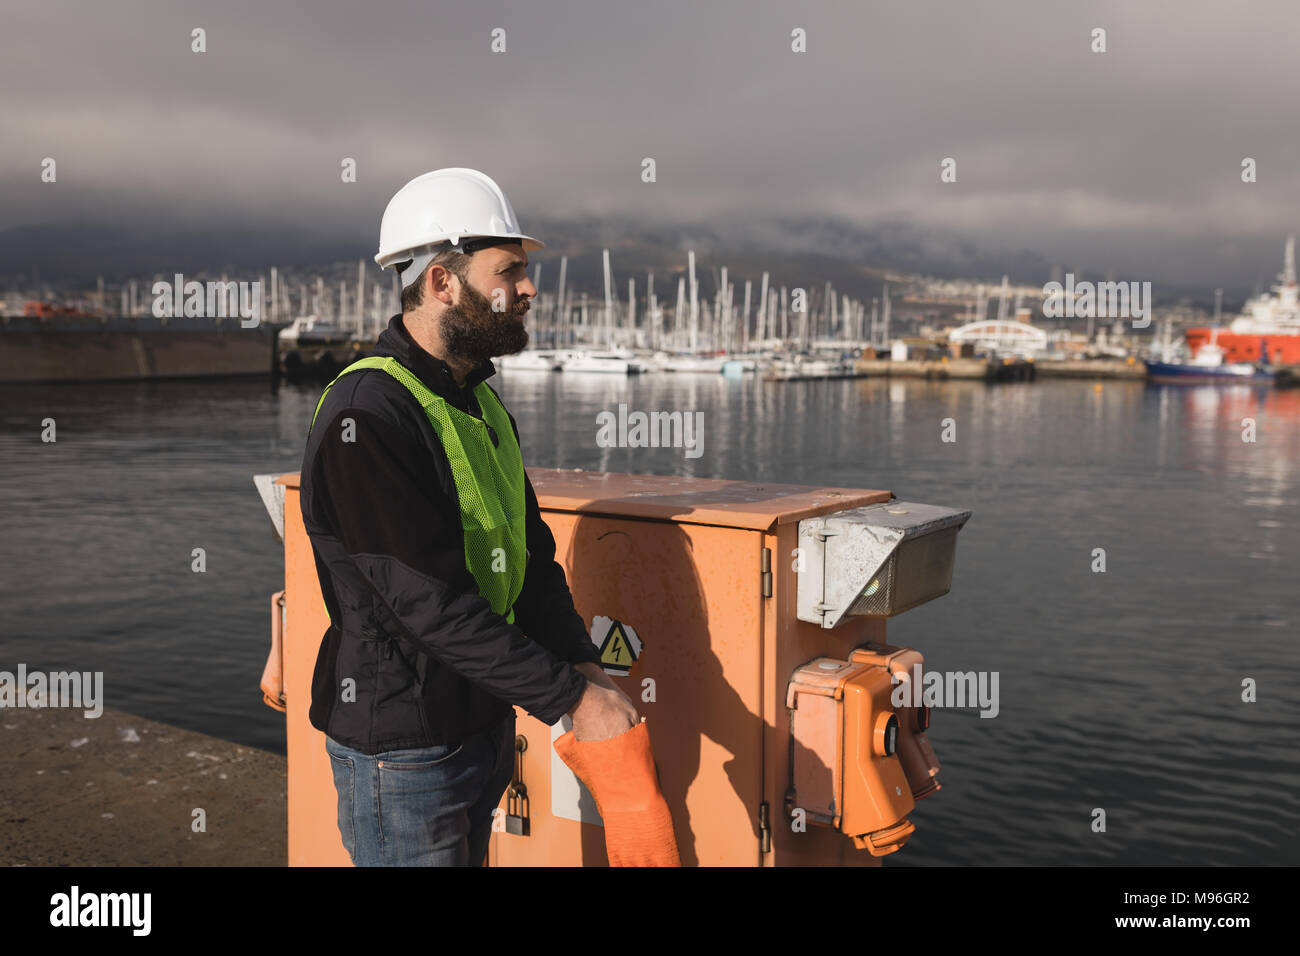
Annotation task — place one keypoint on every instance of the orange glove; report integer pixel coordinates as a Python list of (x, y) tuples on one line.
[(620, 773)]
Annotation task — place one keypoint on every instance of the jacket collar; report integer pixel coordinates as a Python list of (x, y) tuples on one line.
[(429, 369)]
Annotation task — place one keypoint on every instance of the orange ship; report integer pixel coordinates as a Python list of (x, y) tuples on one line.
[(1268, 329)]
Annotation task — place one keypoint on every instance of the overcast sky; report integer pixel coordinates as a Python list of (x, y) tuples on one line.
[(1128, 160)]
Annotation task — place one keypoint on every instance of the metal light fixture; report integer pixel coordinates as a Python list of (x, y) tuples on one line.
[(876, 561)]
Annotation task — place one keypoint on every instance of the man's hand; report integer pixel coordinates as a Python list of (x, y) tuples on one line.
[(603, 711), (596, 674)]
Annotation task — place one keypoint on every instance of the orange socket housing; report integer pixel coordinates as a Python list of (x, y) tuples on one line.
[(920, 765), (845, 768)]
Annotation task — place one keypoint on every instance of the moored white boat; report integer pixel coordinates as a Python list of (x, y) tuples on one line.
[(612, 361), (668, 362), (532, 360), (312, 330), (805, 367)]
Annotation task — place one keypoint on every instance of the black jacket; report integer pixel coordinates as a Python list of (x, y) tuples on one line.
[(432, 662)]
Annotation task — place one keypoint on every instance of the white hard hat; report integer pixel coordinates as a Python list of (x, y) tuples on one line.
[(446, 205)]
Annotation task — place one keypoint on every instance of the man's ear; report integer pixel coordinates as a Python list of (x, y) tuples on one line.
[(429, 289)]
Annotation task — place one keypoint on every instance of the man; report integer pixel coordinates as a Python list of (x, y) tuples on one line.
[(446, 603)]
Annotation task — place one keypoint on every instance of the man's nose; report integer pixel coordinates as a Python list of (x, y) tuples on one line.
[(527, 289)]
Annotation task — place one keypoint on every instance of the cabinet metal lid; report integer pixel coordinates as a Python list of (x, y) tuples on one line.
[(760, 506)]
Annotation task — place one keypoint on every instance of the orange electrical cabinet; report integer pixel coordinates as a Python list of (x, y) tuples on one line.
[(689, 586)]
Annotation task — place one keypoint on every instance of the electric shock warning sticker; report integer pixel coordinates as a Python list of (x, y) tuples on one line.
[(618, 642)]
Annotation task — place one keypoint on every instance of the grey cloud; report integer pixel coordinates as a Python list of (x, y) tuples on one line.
[(1127, 160)]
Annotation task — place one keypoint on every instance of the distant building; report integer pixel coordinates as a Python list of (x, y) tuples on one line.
[(1006, 337)]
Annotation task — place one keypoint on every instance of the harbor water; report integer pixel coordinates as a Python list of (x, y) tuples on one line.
[(1119, 690)]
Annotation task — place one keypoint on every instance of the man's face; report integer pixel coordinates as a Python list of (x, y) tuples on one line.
[(471, 327)]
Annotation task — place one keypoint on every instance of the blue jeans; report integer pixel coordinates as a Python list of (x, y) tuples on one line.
[(425, 806)]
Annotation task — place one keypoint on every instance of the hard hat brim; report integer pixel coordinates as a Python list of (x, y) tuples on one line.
[(386, 259)]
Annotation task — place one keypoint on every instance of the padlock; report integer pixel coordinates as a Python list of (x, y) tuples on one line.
[(517, 811), (517, 794)]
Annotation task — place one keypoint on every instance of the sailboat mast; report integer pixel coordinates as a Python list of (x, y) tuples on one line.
[(631, 311), (361, 297), (561, 313), (652, 310), (884, 318), (609, 302), (695, 300), (679, 313), (744, 319)]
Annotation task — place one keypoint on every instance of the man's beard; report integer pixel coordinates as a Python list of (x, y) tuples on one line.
[(472, 331)]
